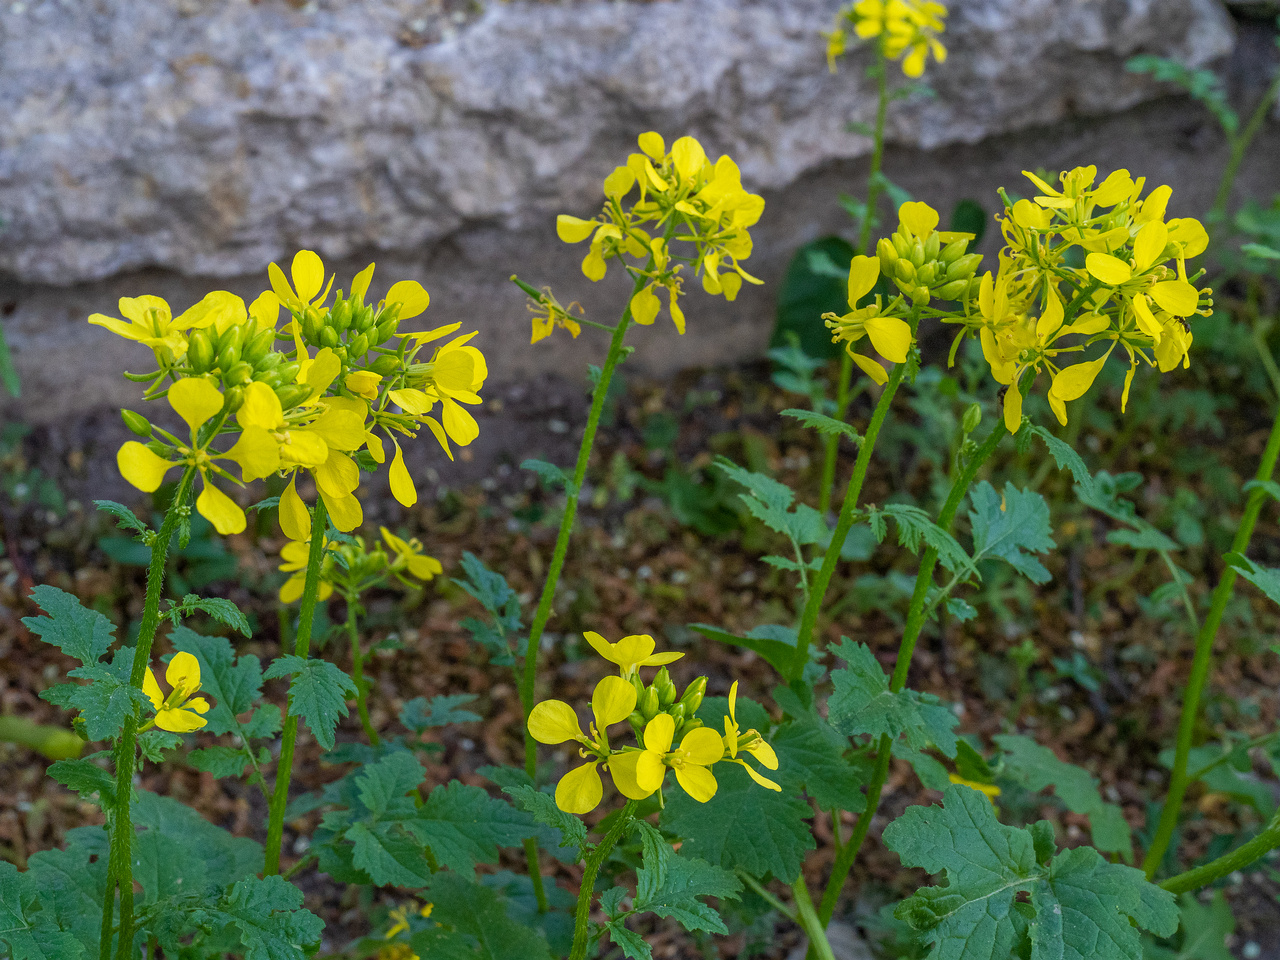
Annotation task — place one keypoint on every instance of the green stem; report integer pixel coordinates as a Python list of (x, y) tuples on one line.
[(1228, 863), (1178, 780), (357, 673), (301, 647), (813, 926), (844, 523), (1239, 147), (582, 914), (120, 861), (916, 617)]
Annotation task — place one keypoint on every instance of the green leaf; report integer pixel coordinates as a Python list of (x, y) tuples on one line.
[(268, 914), (479, 914), (219, 761), (669, 885), (464, 826), (1010, 525), (317, 693), (744, 826), (1037, 768), (1266, 579), (235, 684), (72, 882), (915, 527), (827, 426), (863, 704), (1205, 928), (777, 644), (1065, 456), (550, 475), (106, 700), (265, 722), (769, 501), (421, 714), (87, 779), (811, 756), (1260, 250), (1147, 538), (178, 849), (967, 216), (71, 627), (630, 943), (125, 518), (27, 931), (224, 611), (487, 586), (542, 807), (1077, 906)]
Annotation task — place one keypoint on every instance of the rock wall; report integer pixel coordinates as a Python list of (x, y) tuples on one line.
[(173, 146)]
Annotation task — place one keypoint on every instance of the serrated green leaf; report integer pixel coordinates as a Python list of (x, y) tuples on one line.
[(265, 722), (1009, 526), (916, 527), (178, 849), (1266, 579), (744, 826), (464, 826), (1148, 538), (827, 426), (224, 611), (670, 888), (770, 501), (235, 684), (1077, 907), (629, 942), (550, 475), (543, 809), (1065, 456), (107, 699), (86, 778), (487, 586), (70, 626), (1037, 768), (219, 761), (72, 882), (811, 757), (388, 855), (268, 913), (961, 609), (125, 518), (317, 693), (421, 714), (479, 914), (862, 703), (27, 931)]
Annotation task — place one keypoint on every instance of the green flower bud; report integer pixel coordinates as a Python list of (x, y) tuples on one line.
[(917, 252), (693, 694), (927, 274), (666, 689), (292, 394), (636, 719), (649, 706), (359, 346), (887, 254), (240, 374), (953, 290), (136, 422), (972, 418), (363, 320), (901, 245), (953, 251), (919, 296), (79, 728), (228, 357), (964, 267), (638, 685), (329, 337), (200, 352), (269, 362), (340, 315), (906, 271), (258, 347), (678, 713), (231, 337), (312, 325), (386, 329), (932, 246), (289, 371), (385, 365), (233, 399)]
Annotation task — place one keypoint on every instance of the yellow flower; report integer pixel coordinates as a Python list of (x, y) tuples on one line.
[(909, 27), (197, 401), (409, 556), (549, 314), (891, 336), (150, 323), (750, 742), (554, 721), (639, 773), (452, 377), (630, 653), (307, 271), (177, 713), (294, 555)]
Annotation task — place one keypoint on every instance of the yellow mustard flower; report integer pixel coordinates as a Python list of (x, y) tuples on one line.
[(294, 556), (906, 29), (554, 721), (180, 711), (149, 322), (409, 556), (638, 773), (750, 742), (891, 336), (630, 653), (549, 314)]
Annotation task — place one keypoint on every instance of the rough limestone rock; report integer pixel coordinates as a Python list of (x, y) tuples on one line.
[(210, 137)]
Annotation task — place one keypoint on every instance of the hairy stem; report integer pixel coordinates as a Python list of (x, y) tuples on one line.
[(916, 617), (120, 860), (586, 893), (1228, 863), (301, 647), (357, 673), (1201, 662)]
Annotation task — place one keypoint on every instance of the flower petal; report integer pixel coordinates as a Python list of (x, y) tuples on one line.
[(916, 215), (195, 400), (1176, 296), (257, 452), (1149, 245), (863, 274), (579, 791), (1013, 408), (612, 701), (702, 745), (183, 675), (1108, 269), (872, 369), (891, 336), (623, 766), (553, 721), (141, 466), (650, 771), (1074, 381), (759, 778), (295, 518), (658, 733), (261, 408), (152, 689), (402, 486), (220, 510), (345, 512), (412, 297), (308, 274), (630, 652), (698, 782)]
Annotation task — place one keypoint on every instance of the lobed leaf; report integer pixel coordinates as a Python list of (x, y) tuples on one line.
[(1009, 525), (421, 714), (317, 693), (70, 626)]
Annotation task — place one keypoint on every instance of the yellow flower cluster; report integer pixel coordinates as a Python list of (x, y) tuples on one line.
[(1096, 262), (669, 735), (664, 209), (906, 29), (924, 263), (353, 567), (317, 407)]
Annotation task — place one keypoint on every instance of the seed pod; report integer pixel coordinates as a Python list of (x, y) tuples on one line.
[(906, 271), (292, 394), (917, 252), (953, 251), (385, 365), (932, 246), (927, 274), (953, 290), (136, 422), (359, 346), (233, 399), (901, 245), (972, 418), (200, 352), (329, 337), (649, 705), (240, 374)]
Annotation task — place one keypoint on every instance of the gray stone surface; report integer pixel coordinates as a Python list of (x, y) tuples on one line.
[(172, 146)]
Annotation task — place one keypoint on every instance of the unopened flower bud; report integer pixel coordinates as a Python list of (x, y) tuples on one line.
[(386, 329), (385, 365), (233, 400), (200, 352), (359, 346), (678, 713), (362, 320), (906, 271), (887, 254), (666, 689), (239, 374), (289, 371), (920, 296), (292, 394), (329, 337), (953, 290), (901, 245), (932, 246), (964, 267), (136, 422), (917, 252), (258, 347), (693, 694), (312, 325), (340, 315), (927, 274), (972, 417), (953, 251), (649, 706), (268, 362)]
